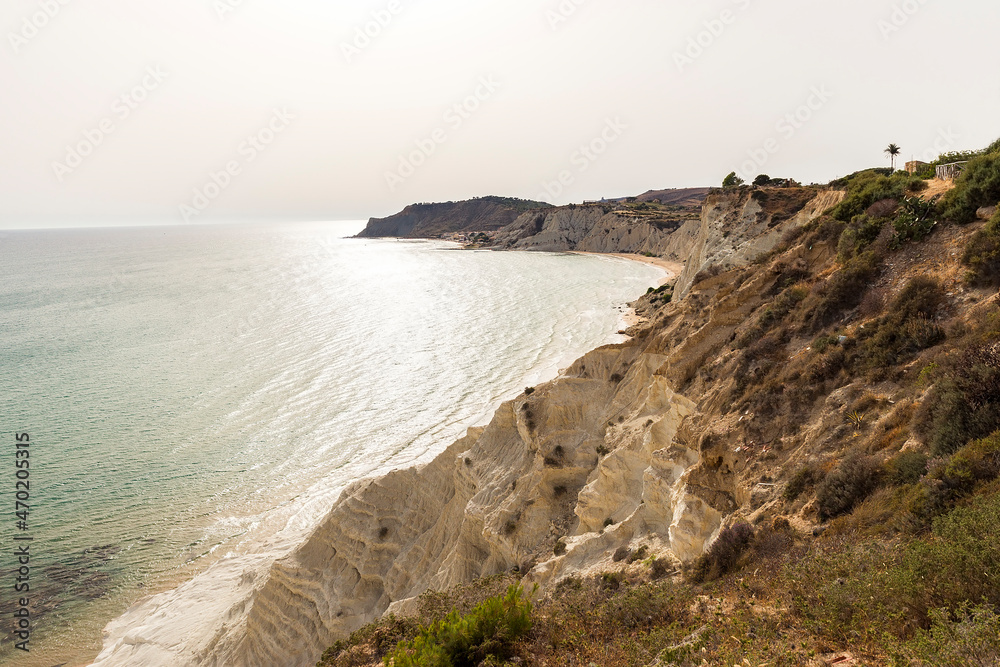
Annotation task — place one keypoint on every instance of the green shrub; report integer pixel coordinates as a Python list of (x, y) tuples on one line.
[(907, 468), (612, 581), (851, 482), (977, 186), (860, 233), (560, 548), (845, 289), (915, 220), (732, 181), (950, 480), (867, 187), (821, 344), (957, 638), (489, 631), (907, 329), (965, 404), (804, 478), (977, 462), (959, 564), (380, 637), (864, 591), (982, 255), (724, 554), (638, 554)]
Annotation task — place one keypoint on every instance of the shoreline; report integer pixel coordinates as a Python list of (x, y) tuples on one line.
[(672, 271), (231, 572)]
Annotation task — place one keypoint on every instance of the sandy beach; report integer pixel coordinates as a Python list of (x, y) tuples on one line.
[(673, 270)]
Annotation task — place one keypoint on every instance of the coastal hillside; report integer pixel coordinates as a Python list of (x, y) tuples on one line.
[(434, 220), (645, 224), (676, 196), (659, 223), (795, 463), (794, 460)]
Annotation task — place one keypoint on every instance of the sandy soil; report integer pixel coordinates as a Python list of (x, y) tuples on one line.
[(673, 269), (936, 187)]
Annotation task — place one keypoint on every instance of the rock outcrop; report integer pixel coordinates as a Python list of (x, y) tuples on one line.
[(599, 228), (733, 227), (740, 225), (600, 443), (606, 456), (484, 214)]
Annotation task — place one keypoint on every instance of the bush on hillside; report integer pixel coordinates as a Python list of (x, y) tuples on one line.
[(868, 187), (860, 233), (968, 635), (982, 255), (964, 405), (907, 468), (724, 554), (949, 570), (951, 479), (851, 482), (378, 638), (915, 220), (851, 592), (908, 329), (489, 631), (845, 289), (977, 186), (804, 478)]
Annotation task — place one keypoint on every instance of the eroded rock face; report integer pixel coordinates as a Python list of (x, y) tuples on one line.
[(606, 456), (739, 226), (499, 498), (596, 228)]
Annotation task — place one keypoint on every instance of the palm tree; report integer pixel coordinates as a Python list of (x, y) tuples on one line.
[(892, 151)]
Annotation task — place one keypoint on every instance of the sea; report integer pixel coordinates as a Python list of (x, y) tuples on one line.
[(189, 392)]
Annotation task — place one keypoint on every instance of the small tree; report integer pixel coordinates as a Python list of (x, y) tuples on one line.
[(763, 179), (732, 181), (892, 151)]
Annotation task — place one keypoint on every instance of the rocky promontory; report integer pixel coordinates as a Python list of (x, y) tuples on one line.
[(484, 214)]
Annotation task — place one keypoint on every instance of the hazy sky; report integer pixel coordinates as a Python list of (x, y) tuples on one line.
[(131, 111)]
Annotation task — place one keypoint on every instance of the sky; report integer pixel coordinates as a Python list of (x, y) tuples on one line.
[(194, 111)]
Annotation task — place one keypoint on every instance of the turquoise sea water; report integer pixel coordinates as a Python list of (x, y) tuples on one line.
[(183, 387)]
